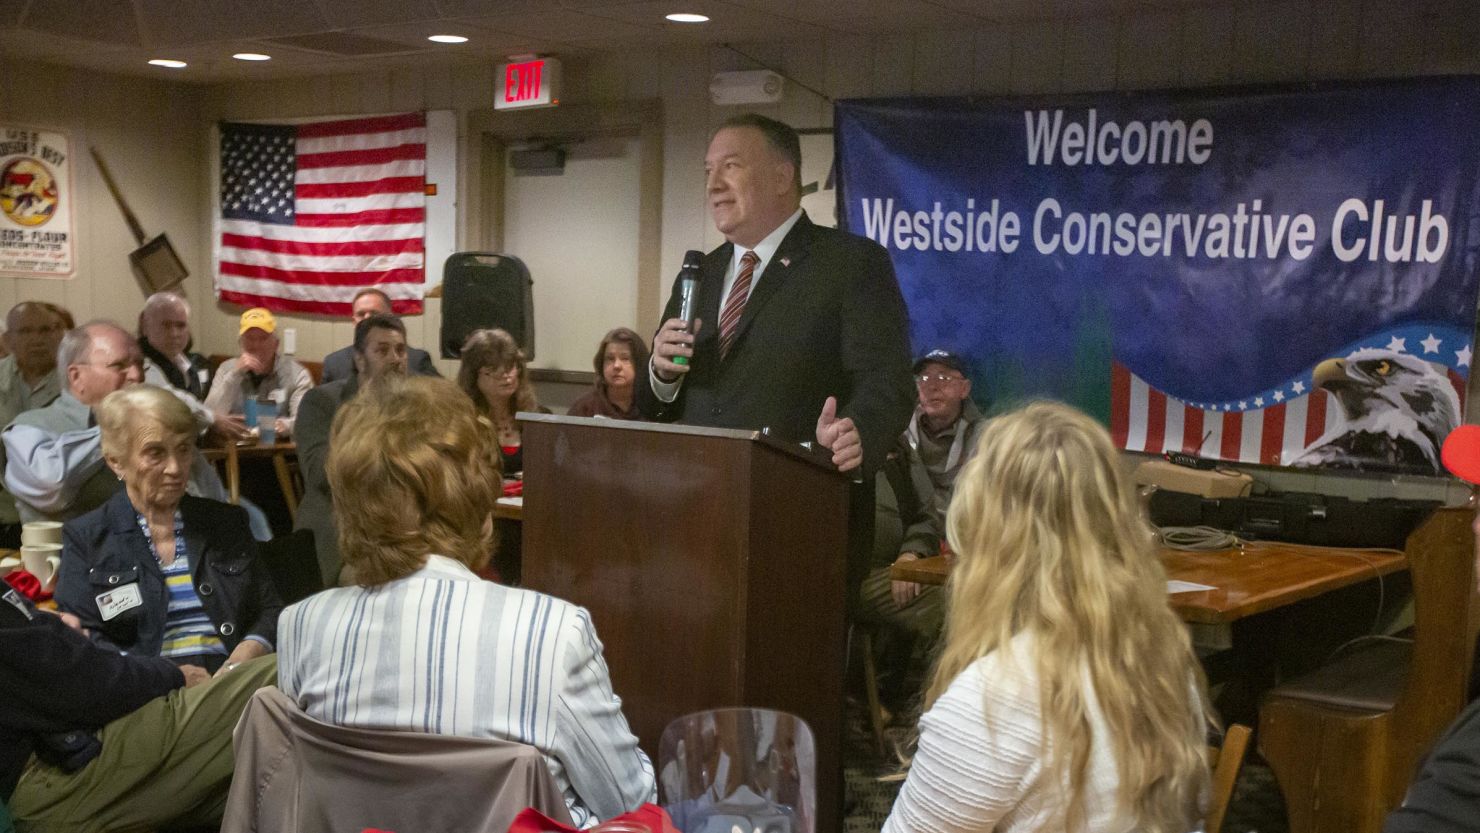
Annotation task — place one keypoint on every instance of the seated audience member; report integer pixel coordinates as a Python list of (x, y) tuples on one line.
[(494, 376), (943, 430), (28, 375), (28, 379), (341, 363), (380, 351), (164, 339), (617, 359), (54, 455), (260, 373), (414, 475), (185, 568), (1445, 797), (1066, 695), (95, 740)]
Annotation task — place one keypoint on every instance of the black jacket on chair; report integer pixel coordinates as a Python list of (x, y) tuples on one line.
[(105, 550)]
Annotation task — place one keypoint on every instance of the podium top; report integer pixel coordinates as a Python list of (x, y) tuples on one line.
[(821, 459)]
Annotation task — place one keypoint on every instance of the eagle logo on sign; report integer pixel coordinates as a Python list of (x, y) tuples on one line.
[(28, 192)]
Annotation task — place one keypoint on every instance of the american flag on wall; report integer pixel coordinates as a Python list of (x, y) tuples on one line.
[(310, 213), (1275, 426)]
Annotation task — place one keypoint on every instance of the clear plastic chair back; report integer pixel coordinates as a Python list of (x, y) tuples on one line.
[(739, 771)]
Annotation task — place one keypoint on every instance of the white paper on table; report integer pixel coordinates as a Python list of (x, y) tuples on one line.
[(1174, 587), (512, 501)]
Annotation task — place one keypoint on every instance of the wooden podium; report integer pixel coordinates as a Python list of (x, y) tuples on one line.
[(712, 562)]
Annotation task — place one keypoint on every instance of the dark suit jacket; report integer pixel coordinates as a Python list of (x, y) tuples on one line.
[(341, 364), (825, 319), (104, 550), (316, 510), (1445, 797)]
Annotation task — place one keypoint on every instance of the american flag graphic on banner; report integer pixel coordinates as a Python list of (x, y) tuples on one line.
[(1408, 385), (311, 213)]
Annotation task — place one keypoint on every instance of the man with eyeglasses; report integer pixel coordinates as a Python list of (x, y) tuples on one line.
[(54, 455), (28, 379), (939, 439)]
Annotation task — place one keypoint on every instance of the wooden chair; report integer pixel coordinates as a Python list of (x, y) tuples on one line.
[(1345, 740), (1226, 761)]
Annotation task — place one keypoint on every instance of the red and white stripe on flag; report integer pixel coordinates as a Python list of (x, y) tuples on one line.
[(1143, 418), (358, 198)]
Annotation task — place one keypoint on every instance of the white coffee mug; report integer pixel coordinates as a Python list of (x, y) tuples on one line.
[(41, 532), (42, 561)]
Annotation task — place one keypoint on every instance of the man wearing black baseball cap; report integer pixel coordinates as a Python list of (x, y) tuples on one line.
[(1445, 796)]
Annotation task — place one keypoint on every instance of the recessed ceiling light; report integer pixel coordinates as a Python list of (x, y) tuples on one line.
[(684, 17), (448, 39), (168, 62), (251, 56)]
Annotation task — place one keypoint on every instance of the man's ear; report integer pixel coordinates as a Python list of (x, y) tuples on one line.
[(965, 390), (359, 361)]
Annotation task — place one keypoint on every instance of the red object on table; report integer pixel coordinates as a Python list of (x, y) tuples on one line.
[(27, 585), (514, 488), (652, 816)]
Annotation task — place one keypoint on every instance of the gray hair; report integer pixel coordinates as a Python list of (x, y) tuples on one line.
[(79, 341), (123, 413), (160, 301)]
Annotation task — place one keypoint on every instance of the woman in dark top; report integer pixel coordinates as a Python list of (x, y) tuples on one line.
[(494, 375), (617, 363)]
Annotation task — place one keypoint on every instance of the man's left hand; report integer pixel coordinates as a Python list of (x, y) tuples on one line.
[(248, 649), (840, 436)]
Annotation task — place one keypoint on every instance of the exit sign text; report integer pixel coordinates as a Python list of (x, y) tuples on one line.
[(533, 83)]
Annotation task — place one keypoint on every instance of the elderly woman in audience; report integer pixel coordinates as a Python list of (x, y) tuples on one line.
[(618, 360), (157, 572), (1066, 695), (493, 373), (413, 474)]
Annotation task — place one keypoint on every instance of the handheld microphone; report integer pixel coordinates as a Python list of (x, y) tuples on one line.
[(688, 293)]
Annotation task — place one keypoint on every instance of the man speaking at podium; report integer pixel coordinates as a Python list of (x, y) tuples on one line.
[(801, 329)]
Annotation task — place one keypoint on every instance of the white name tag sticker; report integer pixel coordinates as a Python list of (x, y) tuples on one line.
[(114, 602)]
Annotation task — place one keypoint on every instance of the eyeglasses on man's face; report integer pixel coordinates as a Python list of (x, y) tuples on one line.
[(937, 379)]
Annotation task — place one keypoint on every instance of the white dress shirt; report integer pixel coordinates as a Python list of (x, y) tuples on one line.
[(764, 251)]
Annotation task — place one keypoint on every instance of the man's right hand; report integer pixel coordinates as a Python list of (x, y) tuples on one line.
[(905, 592), (673, 339), (195, 675), (231, 428), (250, 363)]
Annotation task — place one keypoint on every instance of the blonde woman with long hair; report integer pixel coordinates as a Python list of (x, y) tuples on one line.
[(1066, 696)]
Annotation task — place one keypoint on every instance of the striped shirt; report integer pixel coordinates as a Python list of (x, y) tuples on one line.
[(444, 652), (188, 631), (187, 628)]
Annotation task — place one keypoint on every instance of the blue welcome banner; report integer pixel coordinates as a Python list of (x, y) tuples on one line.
[(1280, 276)]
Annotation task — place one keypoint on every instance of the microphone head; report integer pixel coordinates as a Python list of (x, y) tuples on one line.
[(692, 259)]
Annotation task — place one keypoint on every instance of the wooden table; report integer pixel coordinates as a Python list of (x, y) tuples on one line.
[(1259, 578), (233, 453), (508, 510)]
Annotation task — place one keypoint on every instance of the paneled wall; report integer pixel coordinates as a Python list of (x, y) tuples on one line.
[(159, 133), (147, 131)]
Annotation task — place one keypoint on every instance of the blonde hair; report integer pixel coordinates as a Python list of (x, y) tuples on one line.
[(1051, 543), (122, 415), (411, 472)]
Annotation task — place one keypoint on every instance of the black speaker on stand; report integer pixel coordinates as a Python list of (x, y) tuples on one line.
[(484, 290)]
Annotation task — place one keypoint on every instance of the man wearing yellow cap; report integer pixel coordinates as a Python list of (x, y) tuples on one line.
[(260, 373)]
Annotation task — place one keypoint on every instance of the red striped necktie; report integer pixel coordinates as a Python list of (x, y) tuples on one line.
[(729, 319)]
